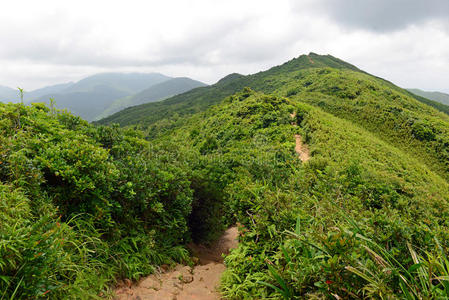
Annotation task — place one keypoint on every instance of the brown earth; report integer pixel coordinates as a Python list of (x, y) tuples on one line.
[(184, 282), (301, 149)]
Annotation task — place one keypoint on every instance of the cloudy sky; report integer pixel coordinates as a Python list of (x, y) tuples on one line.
[(48, 41)]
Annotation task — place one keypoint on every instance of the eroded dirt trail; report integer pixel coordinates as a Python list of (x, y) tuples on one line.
[(301, 149), (184, 282)]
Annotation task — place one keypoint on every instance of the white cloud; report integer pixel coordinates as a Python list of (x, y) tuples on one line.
[(47, 42)]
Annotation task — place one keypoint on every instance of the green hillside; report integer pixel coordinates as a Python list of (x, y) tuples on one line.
[(377, 105), (201, 98), (366, 217), (154, 93), (267, 81), (82, 206), (300, 220)]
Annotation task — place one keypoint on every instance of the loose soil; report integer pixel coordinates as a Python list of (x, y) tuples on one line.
[(301, 149), (184, 282)]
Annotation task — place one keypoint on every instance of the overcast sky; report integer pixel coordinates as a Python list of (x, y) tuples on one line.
[(47, 41)]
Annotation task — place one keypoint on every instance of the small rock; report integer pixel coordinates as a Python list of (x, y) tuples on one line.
[(151, 283), (187, 278), (128, 282), (177, 285), (165, 268)]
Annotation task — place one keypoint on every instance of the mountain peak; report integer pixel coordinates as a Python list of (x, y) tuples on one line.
[(230, 77)]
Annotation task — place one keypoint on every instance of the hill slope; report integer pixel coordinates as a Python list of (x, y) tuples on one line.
[(365, 217), (304, 224), (377, 105), (267, 81), (201, 98), (154, 93)]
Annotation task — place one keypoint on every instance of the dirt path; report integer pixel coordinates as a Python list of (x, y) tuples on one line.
[(301, 149), (184, 282)]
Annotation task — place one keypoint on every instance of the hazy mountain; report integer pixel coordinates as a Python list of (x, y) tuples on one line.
[(436, 96), (88, 104), (154, 93), (8, 94), (89, 97), (130, 83), (48, 90)]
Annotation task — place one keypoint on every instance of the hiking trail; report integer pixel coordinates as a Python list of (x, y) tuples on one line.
[(183, 282), (301, 149)]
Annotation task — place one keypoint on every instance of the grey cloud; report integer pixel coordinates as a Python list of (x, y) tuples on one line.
[(381, 15)]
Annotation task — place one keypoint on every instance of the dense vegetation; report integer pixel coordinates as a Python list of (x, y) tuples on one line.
[(82, 205), (305, 225), (365, 217)]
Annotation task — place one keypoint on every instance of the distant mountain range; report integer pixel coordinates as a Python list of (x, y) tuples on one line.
[(100, 95), (154, 93), (435, 96)]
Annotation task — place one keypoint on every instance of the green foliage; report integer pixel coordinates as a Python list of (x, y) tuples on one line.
[(340, 225), (83, 205), (299, 219), (173, 109)]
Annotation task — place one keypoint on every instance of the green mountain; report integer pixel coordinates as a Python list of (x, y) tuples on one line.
[(364, 215), (154, 93), (201, 98)]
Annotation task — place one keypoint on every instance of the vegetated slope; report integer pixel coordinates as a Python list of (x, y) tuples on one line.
[(375, 104), (154, 93), (435, 96), (82, 206), (365, 217), (308, 228), (379, 107), (201, 98)]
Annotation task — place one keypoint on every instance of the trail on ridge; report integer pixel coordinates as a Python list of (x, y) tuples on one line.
[(184, 282), (301, 149)]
